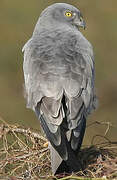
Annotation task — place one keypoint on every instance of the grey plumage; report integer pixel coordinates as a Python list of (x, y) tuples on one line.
[(59, 79)]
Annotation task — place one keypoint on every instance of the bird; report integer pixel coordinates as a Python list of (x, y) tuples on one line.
[(59, 81)]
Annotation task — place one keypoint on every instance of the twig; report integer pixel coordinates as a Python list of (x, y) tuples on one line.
[(30, 158)]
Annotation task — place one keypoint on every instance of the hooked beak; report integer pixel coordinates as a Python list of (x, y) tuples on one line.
[(79, 22), (83, 24)]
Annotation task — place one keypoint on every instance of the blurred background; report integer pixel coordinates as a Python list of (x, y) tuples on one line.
[(17, 21)]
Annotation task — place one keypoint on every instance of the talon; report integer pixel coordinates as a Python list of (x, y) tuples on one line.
[(45, 145)]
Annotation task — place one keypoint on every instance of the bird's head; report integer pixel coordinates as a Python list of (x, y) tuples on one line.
[(62, 13)]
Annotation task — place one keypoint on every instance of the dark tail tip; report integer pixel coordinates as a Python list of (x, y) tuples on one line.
[(63, 168)]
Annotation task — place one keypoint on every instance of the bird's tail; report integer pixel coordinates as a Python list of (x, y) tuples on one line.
[(72, 164), (59, 165)]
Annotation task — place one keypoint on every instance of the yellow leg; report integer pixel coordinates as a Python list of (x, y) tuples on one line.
[(45, 145)]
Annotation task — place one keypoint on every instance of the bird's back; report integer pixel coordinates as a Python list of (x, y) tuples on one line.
[(57, 56), (59, 81)]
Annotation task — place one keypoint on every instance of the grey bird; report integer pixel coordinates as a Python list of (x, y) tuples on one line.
[(59, 82)]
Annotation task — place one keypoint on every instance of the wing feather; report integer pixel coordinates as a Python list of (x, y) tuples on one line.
[(54, 70)]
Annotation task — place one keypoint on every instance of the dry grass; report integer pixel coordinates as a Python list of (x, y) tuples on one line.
[(23, 155)]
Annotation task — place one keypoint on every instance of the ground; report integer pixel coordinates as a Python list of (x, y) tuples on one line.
[(24, 155)]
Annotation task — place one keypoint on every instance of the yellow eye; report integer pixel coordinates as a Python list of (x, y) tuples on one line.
[(68, 14)]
